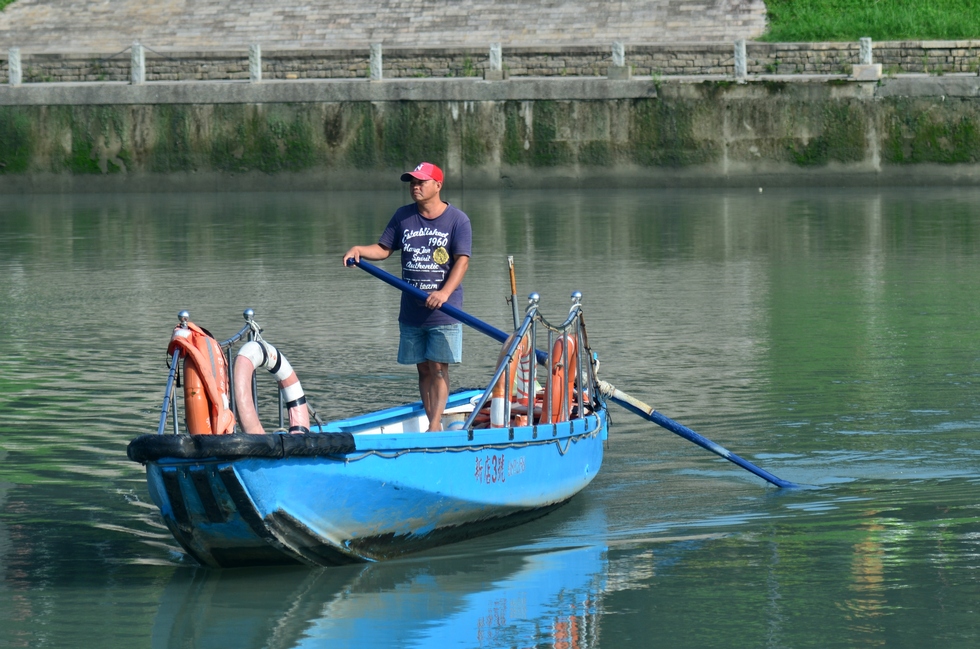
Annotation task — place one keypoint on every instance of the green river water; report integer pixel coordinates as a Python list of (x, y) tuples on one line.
[(829, 336)]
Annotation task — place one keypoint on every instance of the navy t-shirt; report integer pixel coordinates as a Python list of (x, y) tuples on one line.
[(429, 249)]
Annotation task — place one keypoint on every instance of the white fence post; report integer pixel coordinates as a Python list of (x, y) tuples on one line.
[(255, 63), (14, 71), (618, 71), (496, 70), (741, 60), (137, 71), (865, 44), (376, 67), (866, 70), (496, 57), (619, 55)]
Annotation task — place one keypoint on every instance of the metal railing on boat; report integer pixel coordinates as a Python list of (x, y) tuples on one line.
[(572, 329), (582, 387)]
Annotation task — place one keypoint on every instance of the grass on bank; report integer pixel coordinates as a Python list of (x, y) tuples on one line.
[(882, 20), (4, 3)]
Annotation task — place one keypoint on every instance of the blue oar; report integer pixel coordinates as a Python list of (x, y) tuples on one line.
[(636, 406), (419, 294), (630, 403)]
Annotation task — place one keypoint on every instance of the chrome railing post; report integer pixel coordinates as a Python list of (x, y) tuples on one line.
[(176, 424), (549, 387), (227, 344), (248, 315), (231, 389), (282, 404), (501, 368), (169, 395), (509, 389), (532, 374), (566, 397), (580, 366), (576, 310), (532, 307)]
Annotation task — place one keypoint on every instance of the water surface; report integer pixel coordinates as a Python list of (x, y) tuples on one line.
[(828, 336)]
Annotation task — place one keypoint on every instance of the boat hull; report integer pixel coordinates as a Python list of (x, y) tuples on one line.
[(393, 494)]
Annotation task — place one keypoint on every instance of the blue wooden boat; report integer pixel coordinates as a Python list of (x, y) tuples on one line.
[(374, 486)]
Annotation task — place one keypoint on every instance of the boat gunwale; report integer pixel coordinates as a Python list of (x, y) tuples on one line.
[(482, 437), (343, 438), (564, 432)]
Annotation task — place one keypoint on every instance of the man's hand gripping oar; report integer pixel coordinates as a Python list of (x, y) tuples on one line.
[(621, 398)]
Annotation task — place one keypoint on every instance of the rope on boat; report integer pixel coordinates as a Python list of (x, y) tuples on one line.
[(573, 312), (390, 455), (565, 450)]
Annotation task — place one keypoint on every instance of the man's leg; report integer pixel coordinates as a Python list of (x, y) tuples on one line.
[(434, 388)]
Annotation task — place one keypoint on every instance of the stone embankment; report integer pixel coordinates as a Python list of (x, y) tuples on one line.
[(293, 107), (490, 134)]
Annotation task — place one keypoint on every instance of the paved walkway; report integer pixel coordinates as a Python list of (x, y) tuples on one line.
[(111, 25)]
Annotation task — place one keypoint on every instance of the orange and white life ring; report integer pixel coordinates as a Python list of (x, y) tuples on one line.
[(206, 405), (561, 380), (253, 355), (518, 374)]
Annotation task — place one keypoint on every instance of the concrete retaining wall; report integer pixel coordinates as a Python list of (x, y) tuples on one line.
[(517, 133), (935, 57)]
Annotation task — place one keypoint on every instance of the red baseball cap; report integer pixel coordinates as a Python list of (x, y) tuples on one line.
[(425, 171)]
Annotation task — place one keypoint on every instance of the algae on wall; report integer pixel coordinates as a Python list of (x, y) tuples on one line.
[(916, 132), (15, 139), (709, 130), (671, 133)]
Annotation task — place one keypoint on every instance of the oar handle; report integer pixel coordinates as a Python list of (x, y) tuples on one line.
[(419, 294)]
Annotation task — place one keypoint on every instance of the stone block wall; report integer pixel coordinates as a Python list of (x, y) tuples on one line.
[(694, 59), (896, 57), (932, 57)]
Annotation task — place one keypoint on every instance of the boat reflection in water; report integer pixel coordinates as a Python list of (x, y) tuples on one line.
[(499, 599)]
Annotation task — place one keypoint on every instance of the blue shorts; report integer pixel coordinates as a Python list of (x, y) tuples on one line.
[(442, 344)]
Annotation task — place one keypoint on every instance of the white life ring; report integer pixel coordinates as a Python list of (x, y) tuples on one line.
[(253, 355)]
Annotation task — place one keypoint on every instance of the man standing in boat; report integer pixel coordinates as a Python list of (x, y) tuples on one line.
[(435, 240)]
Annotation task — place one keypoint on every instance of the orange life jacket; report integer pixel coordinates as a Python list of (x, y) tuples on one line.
[(206, 404)]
